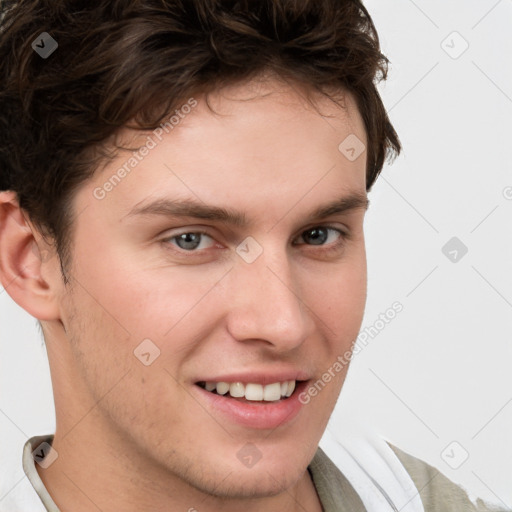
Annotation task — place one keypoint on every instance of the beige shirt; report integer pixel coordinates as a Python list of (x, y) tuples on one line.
[(437, 493)]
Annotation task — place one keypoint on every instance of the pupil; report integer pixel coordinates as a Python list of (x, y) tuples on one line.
[(319, 236), (188, 238)]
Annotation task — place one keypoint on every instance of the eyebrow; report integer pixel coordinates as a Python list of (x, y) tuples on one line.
[(198, 210)]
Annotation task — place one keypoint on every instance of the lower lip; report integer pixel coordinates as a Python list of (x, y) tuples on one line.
[(259, 415)]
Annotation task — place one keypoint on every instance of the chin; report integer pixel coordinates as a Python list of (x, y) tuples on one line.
[(252, 484)]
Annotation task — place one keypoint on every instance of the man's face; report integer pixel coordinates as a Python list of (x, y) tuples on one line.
[(276, 299)]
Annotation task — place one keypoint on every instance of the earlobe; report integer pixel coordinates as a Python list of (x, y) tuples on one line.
[(23, 260)]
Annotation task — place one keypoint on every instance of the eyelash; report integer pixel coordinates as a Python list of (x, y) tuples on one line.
[(336, 246)]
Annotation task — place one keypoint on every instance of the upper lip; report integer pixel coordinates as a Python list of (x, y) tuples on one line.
[(258, 377)]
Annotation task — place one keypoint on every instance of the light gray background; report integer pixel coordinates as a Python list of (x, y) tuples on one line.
[(440, 371)]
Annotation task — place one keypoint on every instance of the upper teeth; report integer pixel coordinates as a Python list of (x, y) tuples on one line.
[(256, 392)]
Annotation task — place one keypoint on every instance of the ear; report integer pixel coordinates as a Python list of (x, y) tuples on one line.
[(24, 259)]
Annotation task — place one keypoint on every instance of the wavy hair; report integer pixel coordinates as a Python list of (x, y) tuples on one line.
[(120, 61)]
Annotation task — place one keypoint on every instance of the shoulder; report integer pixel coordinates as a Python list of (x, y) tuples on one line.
[(17, 474), (387, 478), (436, 490)]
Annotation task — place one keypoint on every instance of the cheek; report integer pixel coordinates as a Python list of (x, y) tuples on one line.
[(145, 298), (342, 297), (132, 300)]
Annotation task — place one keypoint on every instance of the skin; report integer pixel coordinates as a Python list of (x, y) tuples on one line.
[(141, 430)]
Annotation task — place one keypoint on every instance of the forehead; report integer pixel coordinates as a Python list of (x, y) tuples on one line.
[(253, 113), (252, 144)]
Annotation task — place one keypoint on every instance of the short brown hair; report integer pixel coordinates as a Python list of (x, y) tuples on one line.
[(124, 60)]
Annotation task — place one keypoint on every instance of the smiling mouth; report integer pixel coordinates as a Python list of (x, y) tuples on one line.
[(251, 392)]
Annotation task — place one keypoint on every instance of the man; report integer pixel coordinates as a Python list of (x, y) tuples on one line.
[(184, 190)]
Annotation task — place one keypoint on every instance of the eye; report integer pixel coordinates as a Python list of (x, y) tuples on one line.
[(189, 241), (195, 241), (318, 235)]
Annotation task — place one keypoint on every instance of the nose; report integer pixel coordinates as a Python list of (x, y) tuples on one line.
[(266, 303)]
